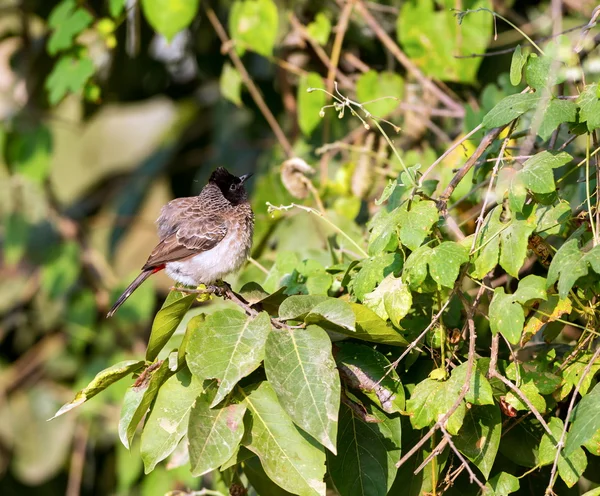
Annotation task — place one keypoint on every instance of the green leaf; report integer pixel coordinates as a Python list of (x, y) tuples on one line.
[(292, 460), (509, 108), (537, 174), (391, 300), (429, 400), (517, 192), (310, 103), (530, 288), (227, 346), (539, 72), (503, 484), (167, 320), (60, 274), (479, 437), (214, 434), (69, 75), (506, 316), (230, 84), (370, 327), (519, 59), (320, 29), (28, 153), (549, 311), (557, 112), (480, 391), (531, 391), (589, 107), (66, 20), (385, 87), (363, 368), (333, 314), (168, 420), (572, 375), (101, 382), (553, 219), (368, 452), (487, 247), (138, 399), (514, 239), (445, 262), (259, 480), (373, 271), (416, 223), (169, 17), (571, 466), (297, 307), (432, 38), (569, 264), (115, 7), (585, 421), (254, 24), (301, 370)]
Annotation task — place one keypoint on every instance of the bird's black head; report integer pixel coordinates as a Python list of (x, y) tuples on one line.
[(231, 186)]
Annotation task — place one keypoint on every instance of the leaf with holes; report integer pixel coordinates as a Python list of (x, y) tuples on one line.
[(301, 369), (227, 346), (291, 459), (569, 264), (168, 421)]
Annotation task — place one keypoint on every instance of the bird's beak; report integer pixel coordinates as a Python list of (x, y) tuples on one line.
[(245, 177)]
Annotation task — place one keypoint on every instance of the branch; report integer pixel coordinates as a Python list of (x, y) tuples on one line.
[(405, 61), (465, 388), (493, 373), (254, 91), (561, 442)]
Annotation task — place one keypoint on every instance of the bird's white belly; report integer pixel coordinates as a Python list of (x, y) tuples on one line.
[(211, 265)]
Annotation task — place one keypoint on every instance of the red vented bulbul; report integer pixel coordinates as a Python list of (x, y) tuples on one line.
[(202, 238)]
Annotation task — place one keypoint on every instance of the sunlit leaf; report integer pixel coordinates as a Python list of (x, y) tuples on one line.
[(168, 17), (253, 24), (385, 87)]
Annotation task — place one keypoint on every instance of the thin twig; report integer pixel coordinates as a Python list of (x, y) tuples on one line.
[(463, 461), (465, 388), (561, 442), (252, 88), (78, 458), (405, 61), (493, 373)]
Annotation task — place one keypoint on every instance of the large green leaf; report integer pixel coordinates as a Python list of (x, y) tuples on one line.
[(297, 307), (432, 37), (367, 454), (138, 399), (310, 104), (537, 172), (589, 107), (514, 239), (569, 264), (509, 108), (416, 223), (585, 421), (557, 112), (519, 59), (168, 420), (301, 369), (479, 437), (69, 75), (168, 17), (66, 20), (370, 327), (367, 370), (571, 466), (373, 271), (101, 382), (392, 299), (290, 459), (333, 314), (253, 24), (214, 434), (227, 346), (506, 316), (503, 484), (166, 321), (445, 262)]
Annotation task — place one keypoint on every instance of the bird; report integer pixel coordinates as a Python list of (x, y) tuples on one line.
[(201, 238)]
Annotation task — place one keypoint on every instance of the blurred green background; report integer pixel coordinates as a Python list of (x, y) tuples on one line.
[(102, 121)]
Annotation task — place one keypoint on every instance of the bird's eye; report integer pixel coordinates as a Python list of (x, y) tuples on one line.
[(233, 187)]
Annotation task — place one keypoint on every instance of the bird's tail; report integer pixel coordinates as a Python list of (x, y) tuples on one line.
[(130, 289)]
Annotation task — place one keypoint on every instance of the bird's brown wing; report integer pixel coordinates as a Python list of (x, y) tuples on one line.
[(195, 236)]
